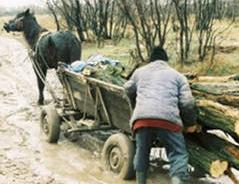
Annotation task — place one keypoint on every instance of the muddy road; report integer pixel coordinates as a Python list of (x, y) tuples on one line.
[(25, 158)]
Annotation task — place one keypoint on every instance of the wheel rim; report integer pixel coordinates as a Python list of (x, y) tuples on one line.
[(115, 159), (45, 125)]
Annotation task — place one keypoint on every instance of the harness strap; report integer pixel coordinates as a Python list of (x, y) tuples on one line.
[(40, 74), (37, 67), (37, 48)]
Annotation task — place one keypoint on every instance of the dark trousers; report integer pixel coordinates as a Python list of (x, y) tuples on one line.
[(175, 148)]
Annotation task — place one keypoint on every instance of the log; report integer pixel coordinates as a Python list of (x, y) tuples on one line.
[(224, 93), (196, 78), (223, 99), (205, 161), (217, 116), (232, 176), (229, 88), (220, 147)]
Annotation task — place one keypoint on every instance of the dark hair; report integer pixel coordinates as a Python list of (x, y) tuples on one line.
[(158, 53)]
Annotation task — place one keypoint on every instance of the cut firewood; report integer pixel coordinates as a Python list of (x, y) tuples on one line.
[(206, 161), (217, 116), (229, 88), (223, 98), (220, 147), (213, 78), (225, 93)]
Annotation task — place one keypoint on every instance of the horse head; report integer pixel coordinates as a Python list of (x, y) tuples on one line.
[(20, 21)]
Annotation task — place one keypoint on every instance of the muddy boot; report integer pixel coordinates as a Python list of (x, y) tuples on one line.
[(141, 178)]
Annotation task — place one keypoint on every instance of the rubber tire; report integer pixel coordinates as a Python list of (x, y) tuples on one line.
[(121, 142), (52, 120)]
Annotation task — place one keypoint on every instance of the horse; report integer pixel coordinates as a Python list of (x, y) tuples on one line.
[(48, 48)]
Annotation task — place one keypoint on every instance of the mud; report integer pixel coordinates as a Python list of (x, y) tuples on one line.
[(25, 158)]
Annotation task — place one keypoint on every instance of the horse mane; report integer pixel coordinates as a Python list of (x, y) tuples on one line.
[(32, 32)]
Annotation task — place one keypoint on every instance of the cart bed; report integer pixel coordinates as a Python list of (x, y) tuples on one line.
[(103, 101)]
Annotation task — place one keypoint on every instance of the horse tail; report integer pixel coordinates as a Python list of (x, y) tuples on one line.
[(51, 48)]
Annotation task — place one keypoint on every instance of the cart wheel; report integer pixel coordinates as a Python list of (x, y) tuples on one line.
[(118, 154), (50, 124)]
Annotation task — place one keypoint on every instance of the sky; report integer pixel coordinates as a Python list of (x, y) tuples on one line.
[(19, 3)]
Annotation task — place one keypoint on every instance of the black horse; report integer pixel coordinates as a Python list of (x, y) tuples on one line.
[(48, 48)]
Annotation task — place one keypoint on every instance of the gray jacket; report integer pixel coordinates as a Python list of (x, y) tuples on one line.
[(161, 93)]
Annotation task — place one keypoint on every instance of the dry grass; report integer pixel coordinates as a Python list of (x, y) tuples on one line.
[(227, 53), (226, 61), (47, 22)]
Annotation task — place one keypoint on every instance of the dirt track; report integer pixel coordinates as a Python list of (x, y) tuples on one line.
[(24, 156)]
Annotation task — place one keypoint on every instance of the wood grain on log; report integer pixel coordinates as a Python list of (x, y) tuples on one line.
[(220, 147), (218, 116), (206, 161)]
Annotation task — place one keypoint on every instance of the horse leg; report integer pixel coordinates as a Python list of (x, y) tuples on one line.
[(41, 85)]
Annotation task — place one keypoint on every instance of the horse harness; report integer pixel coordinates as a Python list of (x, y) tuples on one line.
[(36, 47), (32, 54)]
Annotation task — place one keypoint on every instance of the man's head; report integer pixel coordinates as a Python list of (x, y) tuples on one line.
[(158, 53)]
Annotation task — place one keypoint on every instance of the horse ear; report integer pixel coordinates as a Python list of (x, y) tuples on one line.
[(27, 12)]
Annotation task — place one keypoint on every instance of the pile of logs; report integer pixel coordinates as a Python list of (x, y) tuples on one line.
[(217, 99)]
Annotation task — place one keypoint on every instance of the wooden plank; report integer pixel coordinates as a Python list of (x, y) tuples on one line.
[(84, 79)]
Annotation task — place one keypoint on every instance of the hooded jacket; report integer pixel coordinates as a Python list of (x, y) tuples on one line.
[(157, 91)]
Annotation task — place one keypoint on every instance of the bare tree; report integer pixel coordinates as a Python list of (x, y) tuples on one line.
[(205, 13), (70, 10), (185, 31), (78, 19), (192, 20), (227, 9), (101, 19), (198, 17), (53, 11), (149, 21)]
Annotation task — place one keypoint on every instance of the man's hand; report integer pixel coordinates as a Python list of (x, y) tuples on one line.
[(192, 129)]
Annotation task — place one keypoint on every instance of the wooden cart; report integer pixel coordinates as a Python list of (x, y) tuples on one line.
[(91, 105)]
